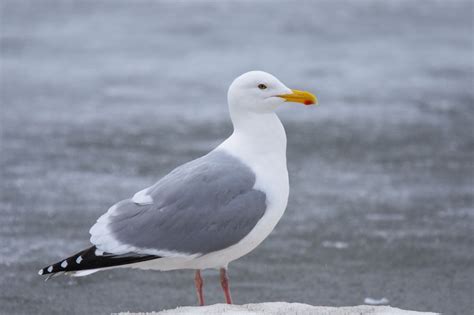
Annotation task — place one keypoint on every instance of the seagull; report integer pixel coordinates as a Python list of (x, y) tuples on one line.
[(210, 211)]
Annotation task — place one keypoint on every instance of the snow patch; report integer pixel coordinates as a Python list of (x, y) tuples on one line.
[(281, 308)]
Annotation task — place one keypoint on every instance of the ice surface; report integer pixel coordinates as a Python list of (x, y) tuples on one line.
[(100, 98)]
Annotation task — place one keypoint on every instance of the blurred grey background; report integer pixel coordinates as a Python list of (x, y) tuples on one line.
[(101, 98)]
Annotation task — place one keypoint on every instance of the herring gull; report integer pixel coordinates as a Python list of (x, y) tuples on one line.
[(207, 212)]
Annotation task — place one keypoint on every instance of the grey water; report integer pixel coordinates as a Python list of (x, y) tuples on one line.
[(99, 99)]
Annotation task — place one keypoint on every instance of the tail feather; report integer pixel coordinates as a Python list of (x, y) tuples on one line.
[(92, 259)]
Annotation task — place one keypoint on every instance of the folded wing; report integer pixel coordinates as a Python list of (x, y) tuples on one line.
[(203, 206)]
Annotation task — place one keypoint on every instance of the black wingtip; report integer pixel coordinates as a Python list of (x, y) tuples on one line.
[(92, 258)]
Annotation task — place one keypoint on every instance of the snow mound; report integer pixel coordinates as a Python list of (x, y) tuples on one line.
[(283, 308)]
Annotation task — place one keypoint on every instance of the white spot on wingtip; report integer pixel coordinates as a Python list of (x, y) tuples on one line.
[(78, 260), (50, 268), (64, 264), (142, 198), (40, 272), (98, 252)]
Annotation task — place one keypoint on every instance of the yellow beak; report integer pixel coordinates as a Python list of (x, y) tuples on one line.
[(300, 97)]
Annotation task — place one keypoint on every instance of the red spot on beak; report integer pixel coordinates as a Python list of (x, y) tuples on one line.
[(308, 102)]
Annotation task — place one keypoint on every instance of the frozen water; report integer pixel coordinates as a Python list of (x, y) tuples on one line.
[(101, 98)]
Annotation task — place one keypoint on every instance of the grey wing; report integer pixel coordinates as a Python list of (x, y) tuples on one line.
[(203, 206)]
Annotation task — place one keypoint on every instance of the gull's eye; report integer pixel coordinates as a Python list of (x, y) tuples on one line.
[(262, 86)]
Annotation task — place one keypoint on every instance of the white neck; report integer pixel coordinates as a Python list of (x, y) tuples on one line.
[(257, 135)]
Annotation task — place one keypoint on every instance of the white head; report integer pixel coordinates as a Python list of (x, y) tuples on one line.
[(260, 92)]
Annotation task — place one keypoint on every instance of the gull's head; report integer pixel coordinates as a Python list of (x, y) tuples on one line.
[(261, 92)]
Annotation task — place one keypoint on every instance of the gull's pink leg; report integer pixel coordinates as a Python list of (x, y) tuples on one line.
[(198, 283), (225, 285)]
